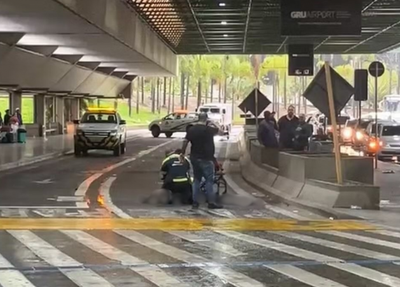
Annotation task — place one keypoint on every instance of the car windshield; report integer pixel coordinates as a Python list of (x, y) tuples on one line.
[(210, 110), (391, 131), (99, 118), (351, 124), (364, 125)]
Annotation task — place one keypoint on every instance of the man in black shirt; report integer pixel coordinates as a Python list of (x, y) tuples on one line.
[(201, 137), (287, 126)]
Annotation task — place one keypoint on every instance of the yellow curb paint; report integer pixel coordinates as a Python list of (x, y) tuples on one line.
[(178, 224)]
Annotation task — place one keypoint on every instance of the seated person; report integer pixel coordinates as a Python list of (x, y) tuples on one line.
[(176, 176)]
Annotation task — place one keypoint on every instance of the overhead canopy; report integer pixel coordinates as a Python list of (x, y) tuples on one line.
[(253, 27)]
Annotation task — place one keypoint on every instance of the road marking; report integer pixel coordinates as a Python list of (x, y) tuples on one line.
[(221, 247), (224, 273), (339, 246), (84, 186), (53, 256), (303, 276), (386, 233), (150, 272), (12, 277), (105, 188), (172, 224), (39, 207), (44, 181), (364, 239), (364, 272)]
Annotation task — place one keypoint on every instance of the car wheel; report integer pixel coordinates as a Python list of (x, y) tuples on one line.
[(123, 148), (155, 131), (85, 152), (117, 150), (77, 150), (169, 134)]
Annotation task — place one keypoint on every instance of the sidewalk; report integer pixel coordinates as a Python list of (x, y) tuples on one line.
[(41, 149), (34, 150)]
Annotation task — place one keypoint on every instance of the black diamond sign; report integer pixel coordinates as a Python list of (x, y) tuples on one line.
[(249, 103), (317, 92)]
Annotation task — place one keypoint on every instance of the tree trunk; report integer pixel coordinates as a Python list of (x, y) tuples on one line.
[(169, 95), (182, 91), (165, 93), (198, 93), (225, 84), (158, 95), (206, 94), (173, 95), (219, 92), (142, 88), (137, 98), (187, 92), (153, 96), (390, 82), (284, 92), (212, 91)]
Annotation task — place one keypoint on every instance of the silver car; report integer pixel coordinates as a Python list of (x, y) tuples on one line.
[(389, 141)]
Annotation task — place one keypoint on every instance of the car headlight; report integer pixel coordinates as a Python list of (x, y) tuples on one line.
[(113, 133), (359, 135), (347, 133)]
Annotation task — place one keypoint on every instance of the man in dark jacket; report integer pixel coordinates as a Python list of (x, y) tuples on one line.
[(7, 117), (287, 125), (266, 132), (302, 134)]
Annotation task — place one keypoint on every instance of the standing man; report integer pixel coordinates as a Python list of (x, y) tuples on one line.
[(19, 116), (201, 137), (273, 120), (302, 134), (7, 117), (266, 132), (287, 125)]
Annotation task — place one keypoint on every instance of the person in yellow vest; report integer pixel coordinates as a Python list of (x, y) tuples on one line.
[(176, 178)]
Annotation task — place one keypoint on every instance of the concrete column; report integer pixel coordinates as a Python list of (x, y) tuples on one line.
[(40, 118), (60, 114), (15, 101), (75, 108)]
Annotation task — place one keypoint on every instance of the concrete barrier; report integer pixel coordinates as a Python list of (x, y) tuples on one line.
[(262, 155), (311, 177)]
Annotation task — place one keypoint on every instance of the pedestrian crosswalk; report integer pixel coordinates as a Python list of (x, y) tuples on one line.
[(31, 258)]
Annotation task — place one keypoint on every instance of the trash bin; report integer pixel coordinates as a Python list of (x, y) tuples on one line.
[(21, 135)]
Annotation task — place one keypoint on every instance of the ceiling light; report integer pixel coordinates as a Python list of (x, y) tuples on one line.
[(224, 23), (225, 35), (222, 4)]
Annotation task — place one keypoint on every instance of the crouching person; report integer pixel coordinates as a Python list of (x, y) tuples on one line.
[(176, 178)]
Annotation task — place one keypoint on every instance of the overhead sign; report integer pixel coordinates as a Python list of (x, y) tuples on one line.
[(249, 103), (321, 17), (376, 69), (317, 93), (301, 60)]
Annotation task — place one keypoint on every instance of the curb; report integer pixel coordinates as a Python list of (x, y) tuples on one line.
[(22, 163), (313, 207)]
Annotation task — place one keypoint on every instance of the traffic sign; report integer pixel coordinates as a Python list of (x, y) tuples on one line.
[(376, 69)]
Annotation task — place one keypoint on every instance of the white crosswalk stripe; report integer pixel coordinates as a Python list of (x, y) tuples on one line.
[(152, 273), (12, 278), (227, 245), (348, 267), (224, 273), (82, 277)]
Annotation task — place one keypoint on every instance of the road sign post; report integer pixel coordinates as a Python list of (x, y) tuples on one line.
[(376, 69), (333, 115)]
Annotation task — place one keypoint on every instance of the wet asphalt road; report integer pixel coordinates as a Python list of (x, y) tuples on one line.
[(206, 258)]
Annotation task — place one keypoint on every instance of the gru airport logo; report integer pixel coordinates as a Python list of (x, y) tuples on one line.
[(313, 14)]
